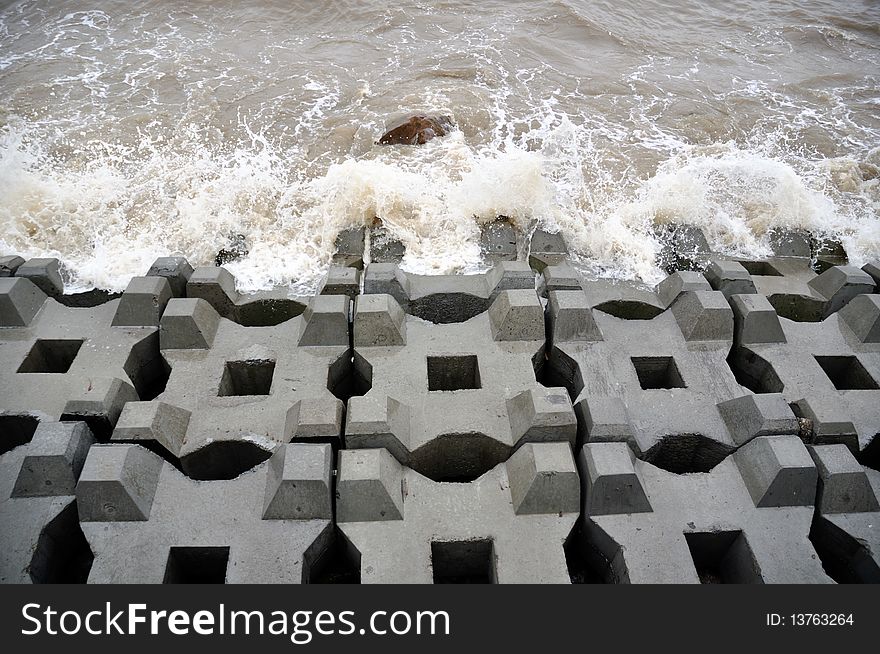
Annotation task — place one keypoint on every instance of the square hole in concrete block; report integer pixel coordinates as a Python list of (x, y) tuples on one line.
[(723, 557), (453, 373), (760, 268), (658, 372), (463, 562), (51, 355), (252, 377), (847, 373), (196, 565)]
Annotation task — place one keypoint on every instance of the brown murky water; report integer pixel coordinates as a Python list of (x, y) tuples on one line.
[(133, 130)]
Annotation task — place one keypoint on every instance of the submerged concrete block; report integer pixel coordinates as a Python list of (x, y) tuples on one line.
[(778, 471), (9, 264), (844, 484), (839, 284), (54, 460), (298, 483), (378, 320), (750, 416), (570, 318), (862, 316), (369, 486), (188, 323), (543, 479), (542, 414), (45, 273), (20, 300), (517, 315), (729, 277), (703, 316), (163, 423), (176, 270), (118, 483), (325, 321), (755, 320), (611, 484), (143, 302)]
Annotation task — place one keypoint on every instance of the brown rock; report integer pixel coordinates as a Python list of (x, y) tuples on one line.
[(417, 130)]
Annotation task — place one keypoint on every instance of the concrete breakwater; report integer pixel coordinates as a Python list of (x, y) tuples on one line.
[(525, 424)]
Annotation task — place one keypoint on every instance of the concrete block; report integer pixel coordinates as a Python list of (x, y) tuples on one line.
[(750, 416), (187, 324), (298, 483), (839, 284), (844, 484), (54, 460), (143, 302), (20, 300), (569, 317), (316, 418), (679, 282), (160, 422), (561, 277), (341, 280), (542, 414), (778, 471), (755, 320), (325, 321), (604, 419), (517, 315), (611, 484), (703, 316), (543, 479), (118, 483), (100, 404), (498, 241), (873, 269), (176, 270), (546, 249), (377, 421), (378, 321), (45, 273), (9, 264), (369, 486), (791, 243), (862, 316), (214, 284), (350, 248), (729, 277)]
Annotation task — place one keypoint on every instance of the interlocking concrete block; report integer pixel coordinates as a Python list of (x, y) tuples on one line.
[(862, 316), (325, 321), (20, 300), (434, 531), (163, 423), (702, 527), (378, 422), (176, 270), (298, 483), (447, 298), (569, 317), (561, 277), (729, 277), (188, 323), (543, 479), (845, 486), (840, 284), (378, 320), (611, 484), (604, 419), (790, 243), (778, 471), (517, 316), (148, 523), (315, 418), (542, 414), (341, 280), (118, 483), (40, 529), (54, 460), (546, 249), (45, 273), (755, 320), (498, 241), (873, 269), (350, 246), (680, 282), (750, 416), (703, 316), (100, 404), (370, 486), (143, 302), (9, 264)]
